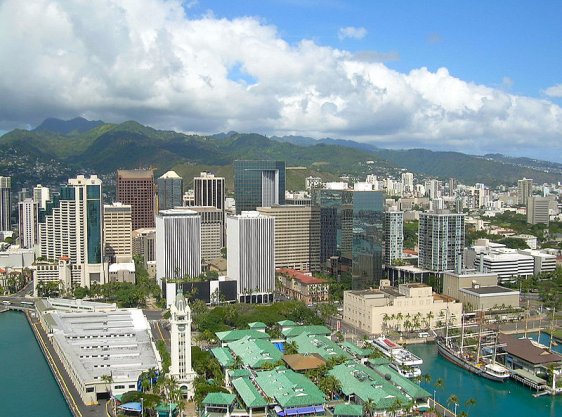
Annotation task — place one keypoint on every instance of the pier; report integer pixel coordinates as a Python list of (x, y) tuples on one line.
[(530, 380)]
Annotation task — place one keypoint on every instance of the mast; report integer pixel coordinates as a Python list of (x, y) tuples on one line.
[(551, 332), (479, 336), (462, 332), (527, 319)]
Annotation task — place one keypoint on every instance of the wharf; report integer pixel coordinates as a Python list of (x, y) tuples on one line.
[(530, 380)]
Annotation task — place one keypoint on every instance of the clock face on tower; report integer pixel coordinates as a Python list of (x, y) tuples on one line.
[(181, 328)]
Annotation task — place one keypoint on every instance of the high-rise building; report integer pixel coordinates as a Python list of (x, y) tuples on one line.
[(144, 244), (537, 210), (433, 188), (178, 244), (251, 255), (136, 188), (170, 191), (5, 203), (180, 339), (258, 184), (23, 194), (209, 190), (28, 217), (407, 183), (297, 236), (524, 191), (212, 231), (117, 232), (393, 236), (453, 183), (71, 229), (41, 195), (441, 237)]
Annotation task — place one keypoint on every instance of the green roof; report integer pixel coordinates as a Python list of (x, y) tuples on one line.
[(411, 388), (249, 394), (224, 356), (286, 323), (295, 331), (366, 384), (232, 335), (313, 343), (257, 325), (356, 350), (380, 361), (289, 388), (219, 398), (238, 373), (165, 407), (255, 352), (348, 410)]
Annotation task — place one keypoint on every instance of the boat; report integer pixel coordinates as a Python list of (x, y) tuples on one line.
[(402, 361), (476, 361)]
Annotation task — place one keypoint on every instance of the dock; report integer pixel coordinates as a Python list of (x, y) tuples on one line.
[(530, 380)]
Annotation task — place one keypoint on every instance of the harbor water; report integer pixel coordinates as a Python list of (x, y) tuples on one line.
[(27, 386), (509, 399)]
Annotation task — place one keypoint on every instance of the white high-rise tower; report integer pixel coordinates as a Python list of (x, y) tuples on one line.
[(180, 369)]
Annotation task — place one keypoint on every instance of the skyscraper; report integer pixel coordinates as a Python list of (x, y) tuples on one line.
[(209, 192), (258, 184), (297, 236), (41, 195), (524, 191), (136, 188), (5, 203), (251, 255), (393, 236), (170, 191), (71, 228), (180, 340), (178, 244), (117, 232), (212, 231), (537, 210), (28, 217), (441, 238), (407, 183)]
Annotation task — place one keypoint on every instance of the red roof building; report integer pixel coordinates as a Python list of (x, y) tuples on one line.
[(302, 286)]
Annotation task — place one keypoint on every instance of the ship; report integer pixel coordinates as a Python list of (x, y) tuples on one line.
[(402, 361), (477, 361)]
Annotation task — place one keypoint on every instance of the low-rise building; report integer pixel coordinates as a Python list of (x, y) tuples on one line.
[(408, 306), (122, 272), (302, 286)]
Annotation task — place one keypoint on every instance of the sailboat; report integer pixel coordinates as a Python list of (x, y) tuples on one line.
[(478, 362)]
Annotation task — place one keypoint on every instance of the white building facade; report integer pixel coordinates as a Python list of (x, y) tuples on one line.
[(180, 336)]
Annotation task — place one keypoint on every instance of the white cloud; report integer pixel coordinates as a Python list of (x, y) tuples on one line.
[(147, 60), (554, 91), (352, 32)]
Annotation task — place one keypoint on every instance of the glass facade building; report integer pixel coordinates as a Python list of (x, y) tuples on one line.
[(258, 184), (170, 191)]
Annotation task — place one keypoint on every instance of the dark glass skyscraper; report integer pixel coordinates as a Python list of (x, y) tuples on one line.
[(258, 184), (170, 191)]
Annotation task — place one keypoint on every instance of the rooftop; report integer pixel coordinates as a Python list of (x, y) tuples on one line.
[(248, 392), (302, 277), (491, 290), (219, 398), (233, 335), (528, 350), (289, 388), (255, 352), (318, 344), (314, 329), (298, 362)]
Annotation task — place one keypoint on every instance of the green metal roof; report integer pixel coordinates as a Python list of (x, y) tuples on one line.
[(232, 335), (379, 361), (366, 384), (295, 331), (286, 323), (249, 394), (219, 398), (314, 343), (346, 410), (224, 356), (289, 388), (165, 407), (356, 350), (238, 373), (255, 352), (257, 325), (410, 387)]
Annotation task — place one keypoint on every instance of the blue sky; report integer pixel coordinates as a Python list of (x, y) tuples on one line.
[(469, 76), (514, 45)]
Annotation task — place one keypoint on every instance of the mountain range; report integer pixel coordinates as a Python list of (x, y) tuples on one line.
[(82, 145)]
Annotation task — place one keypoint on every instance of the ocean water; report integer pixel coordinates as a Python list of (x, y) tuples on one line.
[(27, 386), (509, 399)]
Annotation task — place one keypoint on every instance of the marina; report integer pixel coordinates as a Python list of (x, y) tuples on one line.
[(402, 360)]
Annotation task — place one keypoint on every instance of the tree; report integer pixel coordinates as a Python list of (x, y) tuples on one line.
[(469, 403), (291, 348), (329, 385), (369, 408), (453, 399)]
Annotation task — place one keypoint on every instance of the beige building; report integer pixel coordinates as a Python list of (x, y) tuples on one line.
[(212, 231), (302, 286), (538, 210), (412, 306), (478, 290), (117, 231), (297, 236)]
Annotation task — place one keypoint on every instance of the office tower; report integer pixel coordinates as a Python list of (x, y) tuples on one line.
[(136, 188), (297, 236), (170, 191), (209, 192), (453, 183), (258, 184), (537, 210), (441, 238), (367, 238), (433, 188), (144, 244), (71, 229), (524, 191), (41, 195), (28, 217), (180, 342), (5, 203), (178, 244), (212, 231), (117, 232), (407, 182), (393, 236), (23, 194), (251, 255)]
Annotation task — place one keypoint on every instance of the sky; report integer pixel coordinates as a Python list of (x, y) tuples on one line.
[(470, 76)]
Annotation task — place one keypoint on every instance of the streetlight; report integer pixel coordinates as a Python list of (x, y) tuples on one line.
[(434, 392), (142, 407), (456, 409)]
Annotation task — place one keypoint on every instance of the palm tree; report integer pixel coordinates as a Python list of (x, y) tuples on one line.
[(469, 403), (426, 378), (329, 385), (369, 408), (385, 319), (429, 316), (453, 399), (291, 348), (399, 318)]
